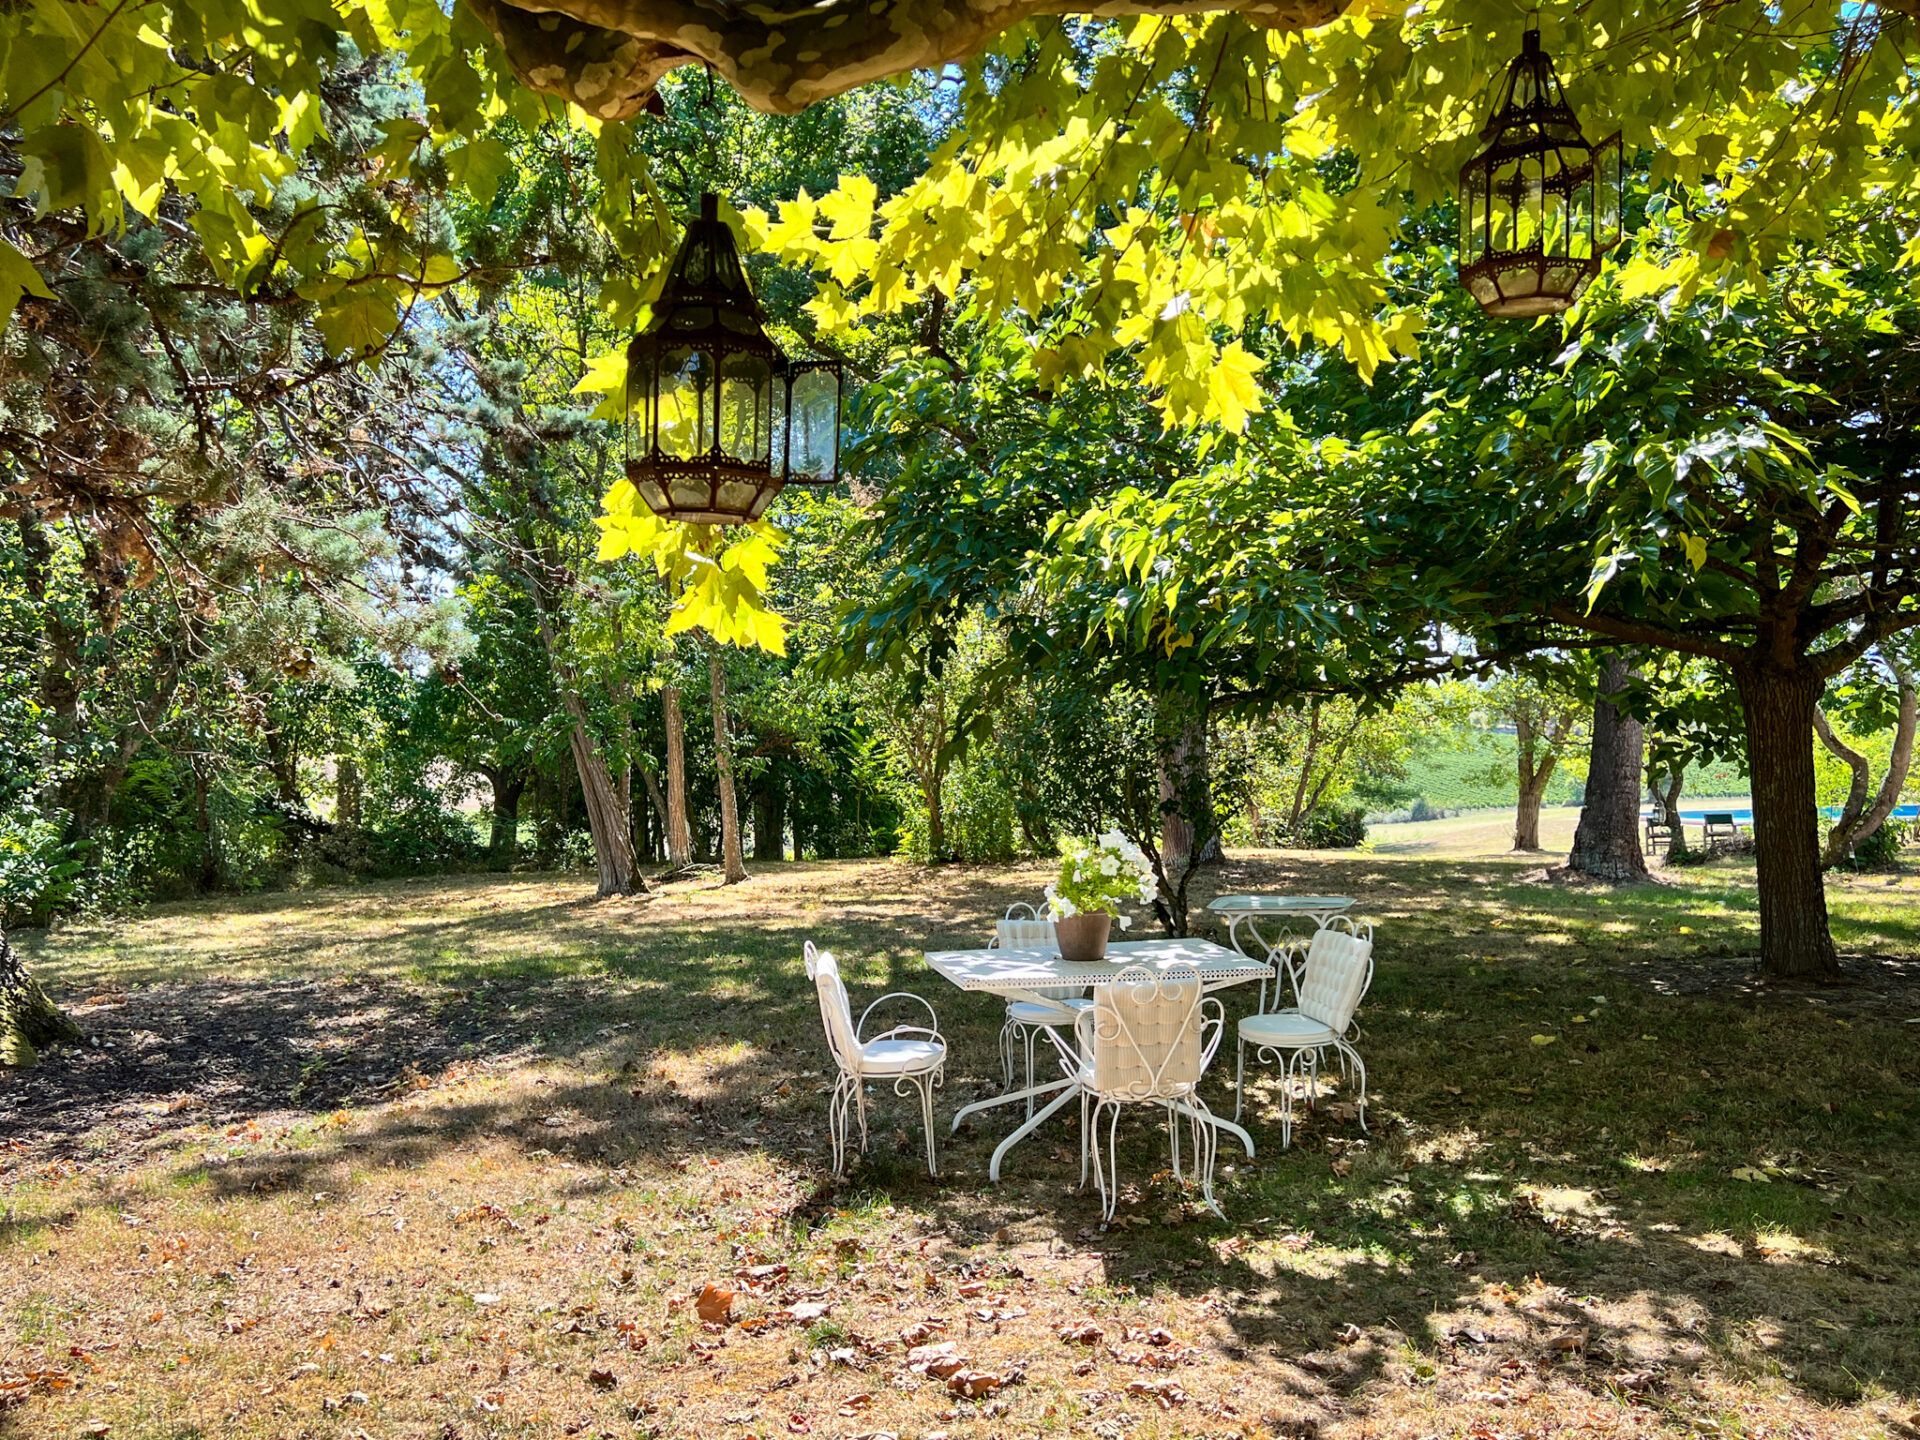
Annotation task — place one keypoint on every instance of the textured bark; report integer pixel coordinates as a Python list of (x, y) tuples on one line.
[(1859, 819), (29, 1021), (1779, 706), (1606, 843), (346, 792), (657, 803), (1533, 770), (608, 55), (503, 841), (679, 829), (1667, 797), (1526, 818), (733, 862), (770, 822), (607, 819)]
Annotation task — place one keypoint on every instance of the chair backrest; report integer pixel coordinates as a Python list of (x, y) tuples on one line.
[(1025, 935), (1014, 933), (836, 1011), (1144, 1034), (1339, 968)]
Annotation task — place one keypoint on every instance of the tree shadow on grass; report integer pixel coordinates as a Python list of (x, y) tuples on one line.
[(1494, 1161)]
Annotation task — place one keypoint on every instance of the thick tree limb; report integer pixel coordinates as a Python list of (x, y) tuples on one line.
[(608, 55)]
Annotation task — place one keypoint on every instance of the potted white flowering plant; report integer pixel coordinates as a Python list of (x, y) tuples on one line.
[(1097, 877)]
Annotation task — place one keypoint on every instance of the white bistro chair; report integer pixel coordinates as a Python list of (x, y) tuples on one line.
[(1146, 1039), (1051, 1007), (907, 1055), (1328, 986)]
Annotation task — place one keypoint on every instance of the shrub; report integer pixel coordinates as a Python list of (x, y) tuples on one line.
[(1881, 849), (40, 872), (1334, 827), (1422, 810)]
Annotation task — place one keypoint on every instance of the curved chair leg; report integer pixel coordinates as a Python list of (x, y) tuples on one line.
[(1085, 1134), (1006, 1053), (1349, 1054), (925, 1083), (837, 1107), (1029, 1037), (1239, 1076), (1173, 1142), (860, 1108)]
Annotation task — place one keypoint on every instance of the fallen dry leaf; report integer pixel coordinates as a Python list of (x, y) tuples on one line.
[(854, 1404), (1081, 1332), (602, 1379), (1164, 1393), (974, 1383), (807, 1311), (715, 1304)]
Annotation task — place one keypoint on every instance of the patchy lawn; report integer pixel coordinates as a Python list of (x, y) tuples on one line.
[(457, 1158)]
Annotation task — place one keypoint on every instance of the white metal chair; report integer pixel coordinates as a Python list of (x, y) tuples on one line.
[(1146, 1039), (907, 1055), (1051, 1007), (1328, 988)]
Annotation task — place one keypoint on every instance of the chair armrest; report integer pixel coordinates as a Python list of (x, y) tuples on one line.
[(934, 1030)]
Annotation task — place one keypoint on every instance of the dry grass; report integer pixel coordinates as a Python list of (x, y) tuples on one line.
[(454, 1158)]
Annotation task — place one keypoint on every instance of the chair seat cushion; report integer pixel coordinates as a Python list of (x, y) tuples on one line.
[(1286, 1028), (900, 1057), (1045, 1012)]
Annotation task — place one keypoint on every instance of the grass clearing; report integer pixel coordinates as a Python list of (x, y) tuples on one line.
[(458, 1157)]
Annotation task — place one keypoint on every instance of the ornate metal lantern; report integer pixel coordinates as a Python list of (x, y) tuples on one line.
[(719, 419), (1540, 204)]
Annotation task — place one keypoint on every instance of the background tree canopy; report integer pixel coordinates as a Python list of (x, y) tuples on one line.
[(1167, 411)]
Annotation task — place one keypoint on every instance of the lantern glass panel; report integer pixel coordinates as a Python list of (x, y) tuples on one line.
[(685, 399), (1606, 186), (736, 497), (690, 492), (640, 363), (813, 441), (746, 385)]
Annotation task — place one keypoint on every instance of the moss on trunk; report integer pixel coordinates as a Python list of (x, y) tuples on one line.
[(29, 1021)]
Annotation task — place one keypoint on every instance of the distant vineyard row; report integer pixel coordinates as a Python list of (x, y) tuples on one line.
[(1472, 770)]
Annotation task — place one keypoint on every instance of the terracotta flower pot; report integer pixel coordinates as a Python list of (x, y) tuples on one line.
[(1084, 937)]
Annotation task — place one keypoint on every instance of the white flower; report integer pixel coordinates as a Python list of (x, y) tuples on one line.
[(1110, 865), (1064, 909), (1125, 923)]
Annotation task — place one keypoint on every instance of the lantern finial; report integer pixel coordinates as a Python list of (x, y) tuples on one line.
[(1540, 204)]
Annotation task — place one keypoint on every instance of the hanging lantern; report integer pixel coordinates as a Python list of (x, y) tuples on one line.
[(1540, 204), (719, 419)]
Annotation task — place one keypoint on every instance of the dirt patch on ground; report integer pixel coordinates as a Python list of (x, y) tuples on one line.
[(203, 1053), (1881, 987)]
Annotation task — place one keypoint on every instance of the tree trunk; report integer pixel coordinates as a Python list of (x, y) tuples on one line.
[(679, 830), (1859, 820), (1606, 844), (770, 821), (1779, 708), (733, 862), (1526, 818), (29, 1021), (607, 819), (1532, 778), (503, 841), (930, 791), (1669, 801), (1187, 835), (657, 803), (346, 792)]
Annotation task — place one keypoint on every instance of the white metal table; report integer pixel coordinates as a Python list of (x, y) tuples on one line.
[(1016, 974), (1245, 912)]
